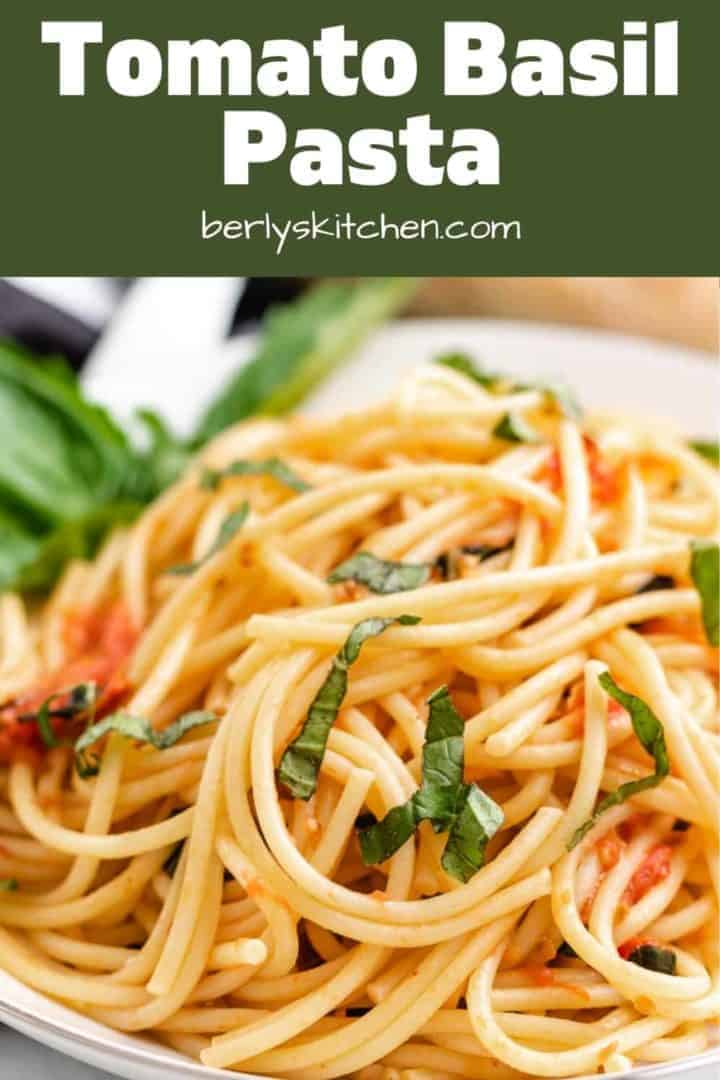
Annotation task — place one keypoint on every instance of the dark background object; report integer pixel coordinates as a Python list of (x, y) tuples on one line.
[(46, 329)]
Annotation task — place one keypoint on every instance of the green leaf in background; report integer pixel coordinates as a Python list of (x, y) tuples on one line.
[(8, 885), (705, 573), (380, 576), (273, 467), (61, 456), (513, 428), (301, 344), (69, 473), (230, 526), (651, 735), (32, 560), (464, 810), (300, 764), (707, 448), (137, 728)]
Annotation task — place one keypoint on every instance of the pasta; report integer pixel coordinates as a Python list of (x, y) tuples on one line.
[(463, 609)]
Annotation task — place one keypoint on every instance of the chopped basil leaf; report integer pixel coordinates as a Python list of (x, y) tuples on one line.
[(81, 699), (273, 467), (707, 448), (558, 394), (230, 526), (478, 818), (705, 573), (513, 428), (9, 885), (465, 365), (448, 564), (380, 575), (653, 958), (300, 764), (137, 728), (649, 731), (566, 950), (463, 810), (656, 584)]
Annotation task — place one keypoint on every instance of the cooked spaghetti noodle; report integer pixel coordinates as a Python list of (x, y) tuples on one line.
[(183, 891)]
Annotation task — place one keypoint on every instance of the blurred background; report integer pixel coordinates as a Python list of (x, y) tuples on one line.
[(67, 315)]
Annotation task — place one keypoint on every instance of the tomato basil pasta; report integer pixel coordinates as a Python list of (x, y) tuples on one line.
[(384, 745)]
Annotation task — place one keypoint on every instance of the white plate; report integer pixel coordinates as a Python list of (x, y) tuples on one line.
[(609, 371)]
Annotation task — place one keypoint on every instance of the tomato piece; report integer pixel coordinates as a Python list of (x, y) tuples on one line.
[(98, 645), (654, 868), (603, 476)]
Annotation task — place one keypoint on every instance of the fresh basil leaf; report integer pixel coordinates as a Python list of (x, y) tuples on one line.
[(656, 584), (705, 573), (273, 467), (465, 365), (160, 463), (467, 813), (558, 394), (649, 731), (566, 950), (300, 764), (81, 699), (9, 885), (513, 428), (653, 958), (137, 728), (443, 760), (380, 575), (707, 448), (383, 838), (477, 819), (303, 342), (230, 526)]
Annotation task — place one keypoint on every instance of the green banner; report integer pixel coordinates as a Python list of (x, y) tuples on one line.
[(463, 138)]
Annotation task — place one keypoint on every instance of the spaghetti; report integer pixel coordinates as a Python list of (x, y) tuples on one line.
[(212, 880)]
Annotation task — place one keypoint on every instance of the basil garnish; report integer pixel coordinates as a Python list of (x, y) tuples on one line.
[(9, 885), (707, 448), (137, 728), (465, 365), (448, 563), (380, 575), (705, 573), (300, 764), (274, 467), (653, 958), (558, 394), (463, 810), (650, 732), (81, 699), (230, 526), (513, 428)]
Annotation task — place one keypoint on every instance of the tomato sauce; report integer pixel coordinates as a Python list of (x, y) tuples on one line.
[(98, 645), (653, 869)]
